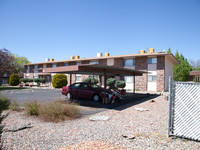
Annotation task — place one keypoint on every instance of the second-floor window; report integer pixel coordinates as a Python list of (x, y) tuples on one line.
[(129, 62), (36, 67), (152, 60), (94, 62), (66, 64), (54, 65), (78, 63)]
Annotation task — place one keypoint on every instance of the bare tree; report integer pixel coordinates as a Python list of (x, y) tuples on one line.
[(195, 64), (6, 63)]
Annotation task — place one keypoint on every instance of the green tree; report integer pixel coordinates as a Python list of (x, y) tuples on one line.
[(181, 71), (19, 62), (169, 51)]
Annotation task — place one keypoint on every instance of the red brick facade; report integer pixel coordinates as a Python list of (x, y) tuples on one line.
[(160, 73), (141, 81)]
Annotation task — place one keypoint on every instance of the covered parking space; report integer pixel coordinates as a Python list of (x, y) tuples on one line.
[(95, 69)]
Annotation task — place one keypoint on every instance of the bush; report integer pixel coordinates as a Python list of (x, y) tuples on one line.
[(42, 80), (30, 80), (57, 111), (120, 84), (24, 80), (91, 80), (4, 105), (110, 82), (14, 79), (14, 106), (32, 108), (59, 80)]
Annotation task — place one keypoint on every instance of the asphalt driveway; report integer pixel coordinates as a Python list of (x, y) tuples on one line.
[(87, 107)]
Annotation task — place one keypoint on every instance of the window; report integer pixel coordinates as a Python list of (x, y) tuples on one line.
[(54, 65), (35, 71), (78, 63), (152, 78), (66, 64), (27, 76), (197, 78), (129, 62), (78, 78), (94, 76), (128, 79), (152, 60), (76, 85), (35, 77), (28, 67), (36, 67), (94, 62)]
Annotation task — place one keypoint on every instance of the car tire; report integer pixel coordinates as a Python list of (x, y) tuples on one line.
[(68, 96), (96, 98)]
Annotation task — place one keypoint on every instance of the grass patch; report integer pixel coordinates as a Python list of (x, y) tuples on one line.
[(32, 108), (14, 106), (58, 111), (11, 88)]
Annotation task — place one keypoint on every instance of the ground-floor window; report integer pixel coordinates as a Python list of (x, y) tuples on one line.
[(197, 78), (152, 78), (78, 77)]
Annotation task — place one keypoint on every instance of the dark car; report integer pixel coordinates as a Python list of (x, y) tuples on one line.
[(84, 90)]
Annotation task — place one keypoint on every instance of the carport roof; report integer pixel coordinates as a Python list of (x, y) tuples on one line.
[(94, 69)]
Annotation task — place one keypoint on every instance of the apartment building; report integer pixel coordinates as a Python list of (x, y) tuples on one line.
[(158, 65)]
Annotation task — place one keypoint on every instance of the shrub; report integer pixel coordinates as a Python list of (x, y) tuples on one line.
[(14, 106), (24, 80), (91, 80), (14, 79), (4, 105), (42, 80), (32, 108), (30, 80), (110, 82), (120, 84), (59, 80), (57, 111)]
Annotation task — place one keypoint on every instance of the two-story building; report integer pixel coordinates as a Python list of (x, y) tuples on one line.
[(158, 65)]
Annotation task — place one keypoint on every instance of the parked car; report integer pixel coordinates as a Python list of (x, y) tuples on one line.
[(84, 90)]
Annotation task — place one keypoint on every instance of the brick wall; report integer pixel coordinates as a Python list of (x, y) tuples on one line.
[(103, 61), (141, 81), (119, 62), (160, 73)]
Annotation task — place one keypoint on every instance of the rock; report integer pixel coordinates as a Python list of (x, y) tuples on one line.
[(140, 109), (151, 101), (99, 118), (128, 136)]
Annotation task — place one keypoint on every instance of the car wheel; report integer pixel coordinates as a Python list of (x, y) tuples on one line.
[(68, 96), (96, 98)]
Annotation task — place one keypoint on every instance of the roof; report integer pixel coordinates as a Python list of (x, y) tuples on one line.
[(94, 70), (195, 73), (170, 56)]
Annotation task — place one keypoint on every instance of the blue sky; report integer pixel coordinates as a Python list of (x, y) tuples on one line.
[(39, 29)]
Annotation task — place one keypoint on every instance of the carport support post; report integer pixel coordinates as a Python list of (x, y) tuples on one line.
[(134, 84), (70, 78), (105, 77)]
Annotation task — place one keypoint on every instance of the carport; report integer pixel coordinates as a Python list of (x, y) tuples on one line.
[(95, 69)]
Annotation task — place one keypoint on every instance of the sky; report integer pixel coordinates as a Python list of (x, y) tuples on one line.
[(40, 29)]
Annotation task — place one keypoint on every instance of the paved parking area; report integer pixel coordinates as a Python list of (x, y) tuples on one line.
[(87, 107), (28, 95)]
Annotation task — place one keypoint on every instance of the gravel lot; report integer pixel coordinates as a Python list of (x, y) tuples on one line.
[(127, 128)]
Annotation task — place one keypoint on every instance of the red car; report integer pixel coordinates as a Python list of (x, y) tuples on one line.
[(84, 90)]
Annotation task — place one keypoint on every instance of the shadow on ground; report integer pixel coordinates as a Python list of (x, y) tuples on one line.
[(130, 100)]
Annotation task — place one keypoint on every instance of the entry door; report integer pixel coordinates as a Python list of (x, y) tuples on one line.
[(129, 83), (151, 83)]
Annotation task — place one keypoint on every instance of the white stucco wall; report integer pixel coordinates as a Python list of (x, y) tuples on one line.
[(152, 69), (169, 71)]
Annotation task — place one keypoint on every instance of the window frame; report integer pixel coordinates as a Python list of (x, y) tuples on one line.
[(152, 62), (131, 64)]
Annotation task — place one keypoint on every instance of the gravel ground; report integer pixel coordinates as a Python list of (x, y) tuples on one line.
[(126, 129)]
